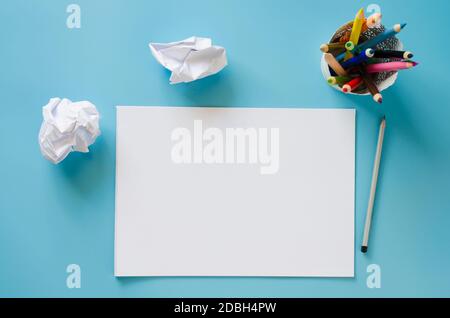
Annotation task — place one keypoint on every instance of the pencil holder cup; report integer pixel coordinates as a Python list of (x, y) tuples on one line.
[(383, 80)]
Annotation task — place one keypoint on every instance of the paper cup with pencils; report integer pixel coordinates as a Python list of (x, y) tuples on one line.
[(363, 57)]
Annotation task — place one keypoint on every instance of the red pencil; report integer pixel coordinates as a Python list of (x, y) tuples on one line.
[(352, 84)]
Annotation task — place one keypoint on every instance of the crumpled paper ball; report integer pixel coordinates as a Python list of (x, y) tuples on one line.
[(190, 59), (67, 127)]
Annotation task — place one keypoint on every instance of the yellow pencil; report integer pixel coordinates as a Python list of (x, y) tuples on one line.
[(334, 64), (356, 30)]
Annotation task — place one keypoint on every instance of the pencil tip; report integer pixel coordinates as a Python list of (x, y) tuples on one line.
[(378, 98), (349, 45), (399, 27), (364, 249), (370, 53)]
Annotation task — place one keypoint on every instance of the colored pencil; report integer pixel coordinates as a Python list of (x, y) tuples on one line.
[(373, 186), (377, 97), (346, 37), (389, 66), (358, 59), (356, 30), (339, 80), (371, 43), (335, 66), (325, 48), (372, 61), (373, 20), (393, 54), (352, 84), (355, 61)]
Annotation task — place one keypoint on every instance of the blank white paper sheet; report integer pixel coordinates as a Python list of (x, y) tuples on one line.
[(204, 191)]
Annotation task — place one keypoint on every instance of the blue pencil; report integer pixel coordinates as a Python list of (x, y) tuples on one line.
[(371, 43), (358, 59)]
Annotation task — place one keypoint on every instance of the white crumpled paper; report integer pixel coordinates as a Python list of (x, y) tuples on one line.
[(67, 127), (190, 59)]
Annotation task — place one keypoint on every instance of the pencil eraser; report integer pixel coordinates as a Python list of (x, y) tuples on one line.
[(364, 249)]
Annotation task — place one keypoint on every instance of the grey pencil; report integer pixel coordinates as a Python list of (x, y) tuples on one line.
[(373, 187)]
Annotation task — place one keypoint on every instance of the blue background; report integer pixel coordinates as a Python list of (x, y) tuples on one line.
[(52, 216)]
